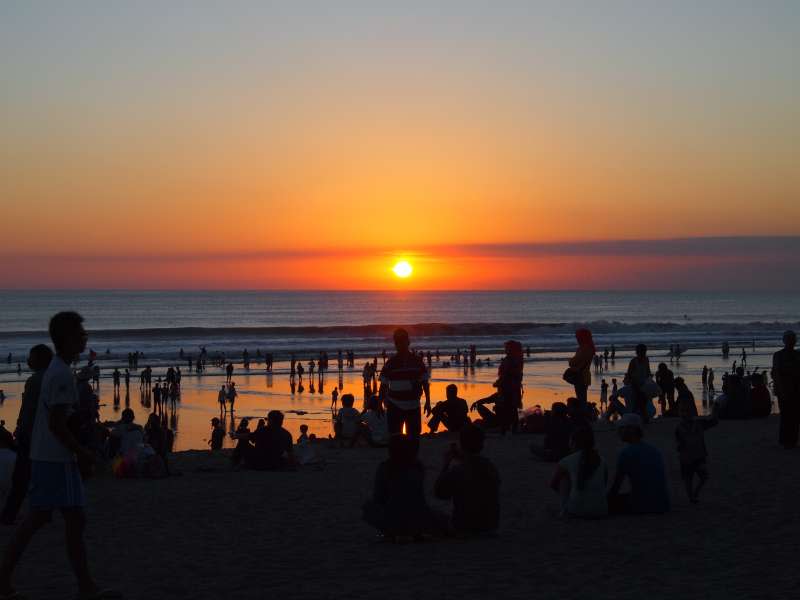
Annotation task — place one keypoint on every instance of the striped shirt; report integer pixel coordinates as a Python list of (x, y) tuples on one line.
[(403, 378)]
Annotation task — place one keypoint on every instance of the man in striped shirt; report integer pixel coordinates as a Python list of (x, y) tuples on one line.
[(404, 378)]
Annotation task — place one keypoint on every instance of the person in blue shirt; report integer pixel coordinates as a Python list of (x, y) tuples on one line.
[(643, 466)]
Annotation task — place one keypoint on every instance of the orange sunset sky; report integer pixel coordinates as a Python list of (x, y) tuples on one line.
[(493, 145)]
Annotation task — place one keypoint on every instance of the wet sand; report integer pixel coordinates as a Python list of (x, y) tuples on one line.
[(215, 533), (259, 392)]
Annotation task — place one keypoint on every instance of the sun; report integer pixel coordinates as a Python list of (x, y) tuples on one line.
[(403, 269)]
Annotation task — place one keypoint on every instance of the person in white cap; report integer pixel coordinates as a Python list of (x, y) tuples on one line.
[(643, 466)]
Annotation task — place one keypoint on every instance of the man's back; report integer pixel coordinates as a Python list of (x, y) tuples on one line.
[(786, 371), (474, 486), (644, 467), (270, 444)]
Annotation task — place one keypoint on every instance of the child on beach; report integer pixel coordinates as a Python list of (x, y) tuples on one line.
[(692, 452), (348, 420), (303, 434), (217, 434)]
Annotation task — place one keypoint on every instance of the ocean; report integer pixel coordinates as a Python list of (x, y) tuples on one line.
[(305, 323), (159, 323)]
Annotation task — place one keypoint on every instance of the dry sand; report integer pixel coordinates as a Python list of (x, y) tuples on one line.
[(216, 533)]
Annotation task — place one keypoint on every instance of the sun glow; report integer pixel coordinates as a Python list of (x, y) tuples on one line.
[(403, 269)]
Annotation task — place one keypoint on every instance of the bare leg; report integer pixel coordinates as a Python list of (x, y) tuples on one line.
[(16, 547), (75, 522)]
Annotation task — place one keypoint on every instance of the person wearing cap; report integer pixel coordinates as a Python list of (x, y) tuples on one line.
[(786, 382), (643, 466), (404, 378)]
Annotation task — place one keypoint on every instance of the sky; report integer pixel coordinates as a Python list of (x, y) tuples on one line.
[(311, 145)]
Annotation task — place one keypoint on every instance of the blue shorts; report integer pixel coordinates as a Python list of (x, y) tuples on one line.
[(55, 485)]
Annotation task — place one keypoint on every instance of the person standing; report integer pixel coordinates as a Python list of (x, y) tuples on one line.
[(639, 372), (404, 378), (222, 396), (665, 379), (38, 360), (786, 382), (58, 462), (581, 375)]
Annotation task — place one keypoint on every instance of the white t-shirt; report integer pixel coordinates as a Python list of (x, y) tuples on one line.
[(591, 500), (58, 387), (378, 428)]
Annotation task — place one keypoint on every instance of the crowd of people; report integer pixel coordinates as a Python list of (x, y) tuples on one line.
[(59, 437)]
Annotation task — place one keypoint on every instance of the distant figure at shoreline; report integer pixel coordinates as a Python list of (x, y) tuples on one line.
[(579, 372), (639, 373)]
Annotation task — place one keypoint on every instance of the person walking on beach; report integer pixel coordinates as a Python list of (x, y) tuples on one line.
[(786, 382), (579, 373), (639, 372), (232, 395), (692, 453), (58, 462), (404, 378), (39, 359), (710, 382), (221, 397), (229, 372)]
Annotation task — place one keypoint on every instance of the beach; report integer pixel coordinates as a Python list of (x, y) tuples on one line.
[(214, 532), (260, 392)]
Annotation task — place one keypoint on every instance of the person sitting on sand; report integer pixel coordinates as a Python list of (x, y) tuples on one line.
[(452, 412), (557, 431), (685, 395), (471, 481), (375, 427), (242, 437), (761, 402), (217, 434), (643, 466), (303, 437), (126, 436), (692, 452), (398, 508), (272, 446), (348, 421), (581, 478)]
